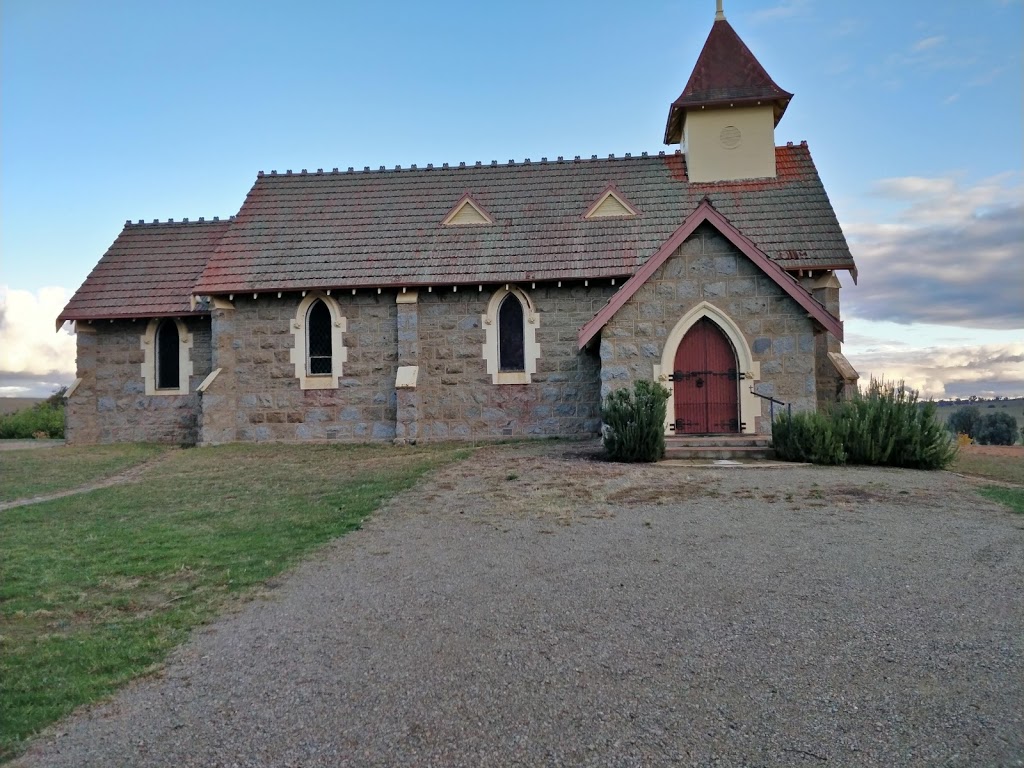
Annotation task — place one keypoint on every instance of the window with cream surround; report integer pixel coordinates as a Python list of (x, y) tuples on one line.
[(510, 327), (319, 351), (167, 363)]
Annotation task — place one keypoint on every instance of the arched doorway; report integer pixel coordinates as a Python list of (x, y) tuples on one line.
[(706, 382)]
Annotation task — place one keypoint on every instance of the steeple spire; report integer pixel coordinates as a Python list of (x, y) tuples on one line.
[(725, 117), (726, 74)]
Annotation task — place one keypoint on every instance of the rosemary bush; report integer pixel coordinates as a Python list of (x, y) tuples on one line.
[(807, 437), (883, 426), (634, 422)]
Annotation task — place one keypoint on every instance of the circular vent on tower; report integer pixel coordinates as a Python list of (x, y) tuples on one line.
[(730, 137)]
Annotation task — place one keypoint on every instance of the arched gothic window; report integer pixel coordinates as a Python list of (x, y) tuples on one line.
[(510, 346), (167, 360), (319, 347), (319, 353), (511, 335)]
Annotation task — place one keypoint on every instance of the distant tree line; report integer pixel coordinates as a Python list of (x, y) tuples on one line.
[(998, 428), (42, 420)]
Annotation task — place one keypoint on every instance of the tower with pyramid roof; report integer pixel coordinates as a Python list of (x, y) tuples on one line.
[(725, 117)]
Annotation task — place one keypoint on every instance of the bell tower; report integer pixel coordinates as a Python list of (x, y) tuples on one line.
[(725, 117)]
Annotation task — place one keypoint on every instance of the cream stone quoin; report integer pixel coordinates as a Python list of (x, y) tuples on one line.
[(149, 363), (531, 349), (339, 354), (750, 405)]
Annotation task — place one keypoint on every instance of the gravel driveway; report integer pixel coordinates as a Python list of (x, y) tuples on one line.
[(535, 607)]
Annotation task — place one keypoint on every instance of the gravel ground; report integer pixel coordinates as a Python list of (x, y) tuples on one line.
[(535, 607)]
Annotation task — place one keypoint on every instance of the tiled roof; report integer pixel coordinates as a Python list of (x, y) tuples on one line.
[(298, 231), (726, 73), (149, 271)]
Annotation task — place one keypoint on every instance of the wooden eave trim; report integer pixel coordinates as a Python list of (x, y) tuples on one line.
[(706, 212), (81, 318), (851, 268), (465, 282)]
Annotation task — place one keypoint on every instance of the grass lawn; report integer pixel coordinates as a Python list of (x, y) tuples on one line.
[(96, 588), (34, 472), (1009, 469), (1011, 497)]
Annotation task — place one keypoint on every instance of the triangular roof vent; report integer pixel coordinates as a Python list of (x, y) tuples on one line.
[(466, 212), (610, 204)]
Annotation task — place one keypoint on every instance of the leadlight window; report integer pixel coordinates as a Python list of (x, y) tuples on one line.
[(167, 360), (511, 347), (318, 339)]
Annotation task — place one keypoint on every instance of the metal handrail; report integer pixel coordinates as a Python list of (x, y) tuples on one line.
[(772, 402)]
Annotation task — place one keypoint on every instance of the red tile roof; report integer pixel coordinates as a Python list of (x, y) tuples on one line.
[(726, 73), (383, 228), (149, 271)]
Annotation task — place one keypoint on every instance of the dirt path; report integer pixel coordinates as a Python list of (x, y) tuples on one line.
[(22, 445), (129, 475)]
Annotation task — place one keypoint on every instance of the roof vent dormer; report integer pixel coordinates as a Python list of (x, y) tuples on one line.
[(611, 204), (466, 212)]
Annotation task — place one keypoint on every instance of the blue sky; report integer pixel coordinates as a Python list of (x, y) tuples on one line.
[(912, 110)]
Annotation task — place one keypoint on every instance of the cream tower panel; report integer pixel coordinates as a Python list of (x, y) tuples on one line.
[(730, 143)]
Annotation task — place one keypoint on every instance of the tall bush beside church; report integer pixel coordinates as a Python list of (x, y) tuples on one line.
[(884, 425), (634, 422)]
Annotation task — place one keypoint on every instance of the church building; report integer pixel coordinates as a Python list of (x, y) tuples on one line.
[(483, 300)]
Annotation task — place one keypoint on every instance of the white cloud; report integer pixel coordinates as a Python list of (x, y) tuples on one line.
[(950, 254), (33, 357), (929, 42), (985, 370)]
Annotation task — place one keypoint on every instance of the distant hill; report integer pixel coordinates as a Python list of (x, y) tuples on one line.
[(12, 404)]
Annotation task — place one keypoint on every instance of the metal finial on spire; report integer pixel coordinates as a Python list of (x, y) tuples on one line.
[(719, 13)]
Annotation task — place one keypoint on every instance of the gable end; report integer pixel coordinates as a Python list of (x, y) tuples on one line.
[(707, 212)]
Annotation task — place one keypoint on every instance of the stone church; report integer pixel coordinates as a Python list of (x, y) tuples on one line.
[(483, 300)]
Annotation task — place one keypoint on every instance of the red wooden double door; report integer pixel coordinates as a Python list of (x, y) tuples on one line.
[(706, 382)]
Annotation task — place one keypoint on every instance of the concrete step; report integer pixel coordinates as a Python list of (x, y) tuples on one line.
[(713, 452), (721, 441), (712, 447)]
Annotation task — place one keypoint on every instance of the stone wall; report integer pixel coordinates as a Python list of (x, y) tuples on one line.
[(831, 385), (257, 396), (457, 396), (111, 404), (707, 267)]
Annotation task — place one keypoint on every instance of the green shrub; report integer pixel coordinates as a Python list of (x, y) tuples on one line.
[(807, 437), (997, 429), (40, 420), (883, 426), (964, 421), (634, 422)]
